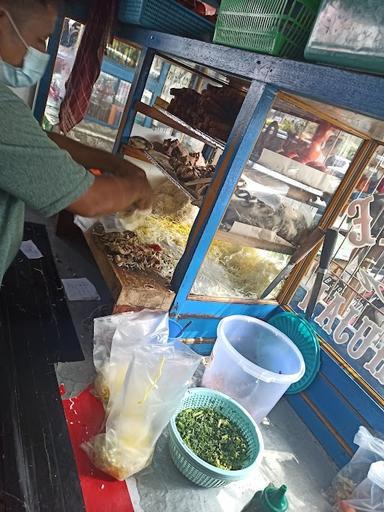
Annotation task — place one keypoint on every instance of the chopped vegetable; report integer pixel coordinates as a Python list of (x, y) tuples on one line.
[(213, 437)]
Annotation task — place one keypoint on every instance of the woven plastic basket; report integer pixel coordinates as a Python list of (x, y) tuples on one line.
[(196, 469), (165, 16), (276, 27)]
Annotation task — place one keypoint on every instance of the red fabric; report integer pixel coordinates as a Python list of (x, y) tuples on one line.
[(85, 416), (87, 66)]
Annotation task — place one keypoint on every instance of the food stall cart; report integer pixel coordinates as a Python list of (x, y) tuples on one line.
[(349, 106), (257, 157)]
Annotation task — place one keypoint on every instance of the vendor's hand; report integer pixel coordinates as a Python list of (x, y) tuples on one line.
[(110, 194), (137, 183)]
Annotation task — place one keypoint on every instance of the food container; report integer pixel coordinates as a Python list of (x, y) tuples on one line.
[(165, 16), (276, 27), (349, 33), (196, 469), (254, 363)]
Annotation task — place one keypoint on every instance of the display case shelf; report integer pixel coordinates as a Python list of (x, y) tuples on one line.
[(162, 116), (172, 177)]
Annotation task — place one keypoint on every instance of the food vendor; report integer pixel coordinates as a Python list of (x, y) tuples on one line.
[(47, 172)]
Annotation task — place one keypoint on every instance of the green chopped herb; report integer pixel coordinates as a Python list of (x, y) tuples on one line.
[(213, 438)]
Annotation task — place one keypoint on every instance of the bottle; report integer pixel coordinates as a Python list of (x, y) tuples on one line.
[(271, 499)]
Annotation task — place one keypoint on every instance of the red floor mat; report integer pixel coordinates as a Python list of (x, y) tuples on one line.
[(85, 416)]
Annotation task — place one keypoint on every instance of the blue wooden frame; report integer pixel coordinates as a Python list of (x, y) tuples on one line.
[(127, 74), (135, 94), (241, 142)]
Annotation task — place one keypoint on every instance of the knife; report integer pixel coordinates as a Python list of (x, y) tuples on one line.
[(325, 258), (312, 240)]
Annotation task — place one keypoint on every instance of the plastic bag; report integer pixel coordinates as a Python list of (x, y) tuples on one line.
[(146, 379), (371, 449), (369, 495), (112, 333), (115, 223)]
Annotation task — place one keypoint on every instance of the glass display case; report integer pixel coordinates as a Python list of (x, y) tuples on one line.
[(294, 171), (354, 284)]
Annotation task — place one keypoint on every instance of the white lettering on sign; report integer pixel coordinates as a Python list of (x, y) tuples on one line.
[(370, 284), (323, 290), (330, 312), (368, 336), (340, 334), (364, 338), (361, 208), (376, 365)]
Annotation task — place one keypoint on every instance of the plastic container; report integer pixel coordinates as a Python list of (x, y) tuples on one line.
[(254, 363), (349, 33), (165, 16), (276, 27), (196, 469)]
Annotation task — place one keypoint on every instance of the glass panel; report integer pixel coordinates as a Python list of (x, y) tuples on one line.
[(69, 43), (110, 93), (356, 279), (295, 168)]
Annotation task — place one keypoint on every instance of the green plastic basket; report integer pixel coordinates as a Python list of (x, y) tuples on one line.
[(196, 469), (276, 27)]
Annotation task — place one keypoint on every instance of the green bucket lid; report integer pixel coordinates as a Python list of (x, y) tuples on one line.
[(305, 338)]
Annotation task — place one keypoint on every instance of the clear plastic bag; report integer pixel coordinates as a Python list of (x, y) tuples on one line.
[(371, 449), (111, 336), (115, 223), (369, 495), (146, 378)]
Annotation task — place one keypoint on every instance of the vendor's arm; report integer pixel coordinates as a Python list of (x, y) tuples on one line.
[(109, 194), (35, 170), (92, 158)]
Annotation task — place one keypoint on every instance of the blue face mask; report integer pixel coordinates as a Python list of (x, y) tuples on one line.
[(34, 65)]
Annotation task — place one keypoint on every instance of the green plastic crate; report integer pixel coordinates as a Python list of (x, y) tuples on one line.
[(276, 27)]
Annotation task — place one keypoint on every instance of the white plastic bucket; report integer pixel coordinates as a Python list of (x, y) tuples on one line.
[(254, 363)]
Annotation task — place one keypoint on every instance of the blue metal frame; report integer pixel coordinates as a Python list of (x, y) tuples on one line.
[(127, 74), (241, 142), (135, 95)]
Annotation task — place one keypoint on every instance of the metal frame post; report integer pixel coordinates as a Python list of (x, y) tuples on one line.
[(243, 137), (135, 95)]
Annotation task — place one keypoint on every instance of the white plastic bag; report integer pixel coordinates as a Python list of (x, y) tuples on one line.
[(125, 328), (144, 379), (115, 223), (371, 449), (369, 495)]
